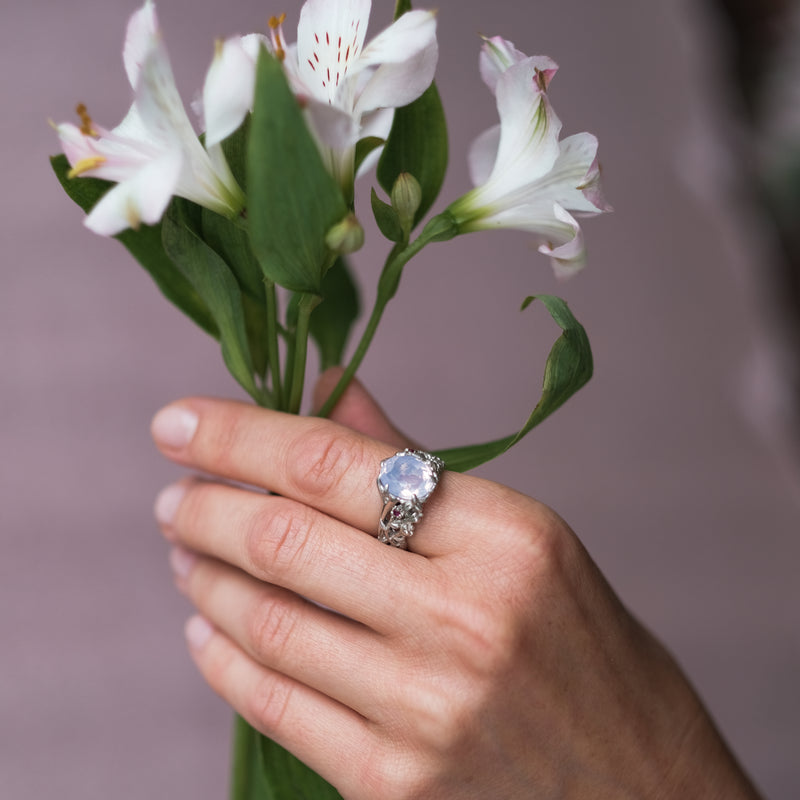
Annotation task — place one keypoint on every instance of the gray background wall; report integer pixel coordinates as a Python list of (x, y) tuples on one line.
[(692, 514)]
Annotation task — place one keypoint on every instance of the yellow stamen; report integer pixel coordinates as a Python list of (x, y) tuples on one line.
[(86, 165), (275, 26), (87, 126)]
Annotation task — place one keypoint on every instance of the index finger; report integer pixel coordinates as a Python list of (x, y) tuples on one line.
[(314, 461)]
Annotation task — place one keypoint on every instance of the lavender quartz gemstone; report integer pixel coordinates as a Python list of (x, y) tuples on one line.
[(406, 476)]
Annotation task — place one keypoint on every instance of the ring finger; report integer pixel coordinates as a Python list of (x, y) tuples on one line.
[(285, 543)]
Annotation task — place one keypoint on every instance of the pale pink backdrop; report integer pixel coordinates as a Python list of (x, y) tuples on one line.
[(691, 514)]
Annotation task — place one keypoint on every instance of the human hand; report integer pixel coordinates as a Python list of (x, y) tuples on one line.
[(492, 662)]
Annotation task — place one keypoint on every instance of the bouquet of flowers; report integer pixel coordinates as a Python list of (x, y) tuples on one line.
[(247, 227)]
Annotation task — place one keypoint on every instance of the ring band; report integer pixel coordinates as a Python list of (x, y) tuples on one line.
[(405, 481)]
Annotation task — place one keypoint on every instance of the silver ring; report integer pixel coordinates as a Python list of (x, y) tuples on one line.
[(406, 480)]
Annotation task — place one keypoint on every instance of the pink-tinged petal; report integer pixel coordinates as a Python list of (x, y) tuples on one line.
[(330, 35), (141, 199), (570, 257), (593, 190), (530, 128), (398, 83), (482, 155), (77, 146), (141, 33), (497, 55), (228, 89)]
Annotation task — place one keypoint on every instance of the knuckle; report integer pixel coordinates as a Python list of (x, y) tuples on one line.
[(270, 702), (318, 463), (272, 626), (278, 537), (392, 773)]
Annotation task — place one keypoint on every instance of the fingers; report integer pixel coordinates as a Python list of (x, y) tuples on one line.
[(318, 730), (285, 543), (285, 633), (315, 462)]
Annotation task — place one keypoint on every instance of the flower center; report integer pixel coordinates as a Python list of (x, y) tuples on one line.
[(331, 56), (276, 35)]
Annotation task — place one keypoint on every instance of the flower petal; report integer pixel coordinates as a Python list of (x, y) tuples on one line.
[(482, 155), (407, 53), (569, 257), (497, 55), (330, 35), (229, 87), (142, 198), (333, 127), (530, 128), (139, 38)]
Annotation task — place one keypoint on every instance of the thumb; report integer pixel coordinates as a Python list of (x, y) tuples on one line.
[(357, 409)]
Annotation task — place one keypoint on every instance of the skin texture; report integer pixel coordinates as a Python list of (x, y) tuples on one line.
[(491, 661)]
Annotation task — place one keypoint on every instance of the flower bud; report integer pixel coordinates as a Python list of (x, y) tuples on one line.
[(346, 236), (406, 199)]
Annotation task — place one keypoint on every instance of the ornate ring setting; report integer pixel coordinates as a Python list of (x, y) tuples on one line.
[(406, 480)]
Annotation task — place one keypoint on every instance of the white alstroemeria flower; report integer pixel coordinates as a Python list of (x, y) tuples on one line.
[(154, 152), (525, 177), (349, 89)]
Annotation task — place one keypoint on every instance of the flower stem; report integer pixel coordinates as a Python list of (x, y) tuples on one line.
[(387, 288), (308, 302), (272, 342)]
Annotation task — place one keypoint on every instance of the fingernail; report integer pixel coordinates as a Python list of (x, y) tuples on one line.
[(198, 631), (182, 562), (167, 502), (174, 426)]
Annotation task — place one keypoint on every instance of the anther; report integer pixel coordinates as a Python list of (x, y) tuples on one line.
[(87, 126), (276, 34)]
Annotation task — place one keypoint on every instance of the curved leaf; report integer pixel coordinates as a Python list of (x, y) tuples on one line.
[(569, 367), (214, 282)]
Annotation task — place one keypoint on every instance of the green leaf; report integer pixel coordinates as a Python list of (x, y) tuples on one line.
[(145, 245), (568, 368), (235, 150), (292, 201), (333, 318), (231, 242), (216, 285), (400, 8), (417, 144), (387, 218)]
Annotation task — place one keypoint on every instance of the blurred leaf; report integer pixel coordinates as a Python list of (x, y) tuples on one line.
[(387, 218), (216, 285), (400, 7), (231, 242), (292, 200), (145, 245), (417, 144), (235, 150), (333, 318), (568, 368)]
